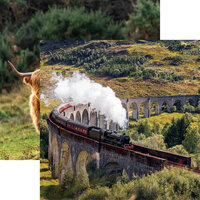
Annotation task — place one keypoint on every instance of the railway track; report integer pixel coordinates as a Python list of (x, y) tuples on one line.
[(178, 165)]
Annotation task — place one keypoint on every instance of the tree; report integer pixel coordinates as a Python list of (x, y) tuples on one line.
[(144, 23), (175, 134), (156, 129), (145, 128), (192, 140)]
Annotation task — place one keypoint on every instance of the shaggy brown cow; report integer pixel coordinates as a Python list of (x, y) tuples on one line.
[(33, 80)]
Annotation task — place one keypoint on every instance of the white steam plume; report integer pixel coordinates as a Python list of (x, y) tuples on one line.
[(83, 90)]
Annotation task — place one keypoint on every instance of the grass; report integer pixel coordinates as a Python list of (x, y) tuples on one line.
[(49, 187), (18, 138), (164, 118)]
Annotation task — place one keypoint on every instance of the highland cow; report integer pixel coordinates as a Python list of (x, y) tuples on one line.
[(33, 80)]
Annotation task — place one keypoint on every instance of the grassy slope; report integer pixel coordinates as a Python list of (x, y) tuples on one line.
[(164, 118), (18, 138), (129, 87), (47, 183)]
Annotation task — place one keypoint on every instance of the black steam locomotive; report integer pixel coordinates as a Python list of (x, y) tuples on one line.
[(111, 137)]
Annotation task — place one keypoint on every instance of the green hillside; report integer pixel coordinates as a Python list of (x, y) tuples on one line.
[(130, 68)]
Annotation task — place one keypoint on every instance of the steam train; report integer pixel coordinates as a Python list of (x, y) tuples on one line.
[(111, 137)]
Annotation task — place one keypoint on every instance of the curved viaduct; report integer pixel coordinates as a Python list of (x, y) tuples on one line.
[(147, 105), (72, 151)]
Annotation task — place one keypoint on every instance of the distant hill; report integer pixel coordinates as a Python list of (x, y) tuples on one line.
[(130, 68)]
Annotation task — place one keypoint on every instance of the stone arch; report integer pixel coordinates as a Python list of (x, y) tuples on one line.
[(65, 160), (78, 117), (93, 118), (113, 168), (55, 156), (165, 107), (179, 105), (72, 116), (85, 117), (134, 111), (144, 111), (190, 101), (81, 162), (155, 108)]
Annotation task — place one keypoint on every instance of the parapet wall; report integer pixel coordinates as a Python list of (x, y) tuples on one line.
[(173, 157), (84, 114)]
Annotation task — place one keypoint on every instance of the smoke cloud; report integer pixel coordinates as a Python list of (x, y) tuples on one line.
[(80, 89)]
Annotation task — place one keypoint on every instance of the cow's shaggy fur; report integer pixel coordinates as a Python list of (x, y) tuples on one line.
[(34, 82)]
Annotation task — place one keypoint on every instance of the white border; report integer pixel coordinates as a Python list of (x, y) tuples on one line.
[(20, 180), (180, 20)]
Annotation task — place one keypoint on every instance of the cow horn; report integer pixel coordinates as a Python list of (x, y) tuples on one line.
[(19, 73)]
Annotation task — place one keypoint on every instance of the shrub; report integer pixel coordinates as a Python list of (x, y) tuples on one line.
[(155, 142), (68, 178), (173, 109), (176, 60), (100, 193), (188, 108), (178, 149), (3, 116), (81, 182)]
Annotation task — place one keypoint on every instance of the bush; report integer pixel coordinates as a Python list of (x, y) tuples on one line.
[(81, 182), (144, 23), (178, 149), (155, 142), (175, 61), (3, 116), (100, 193), (68, 178), (188, 108)]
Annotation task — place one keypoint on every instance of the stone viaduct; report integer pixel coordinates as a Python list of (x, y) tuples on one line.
[(137, 107), (156, 105), (72, 151)]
